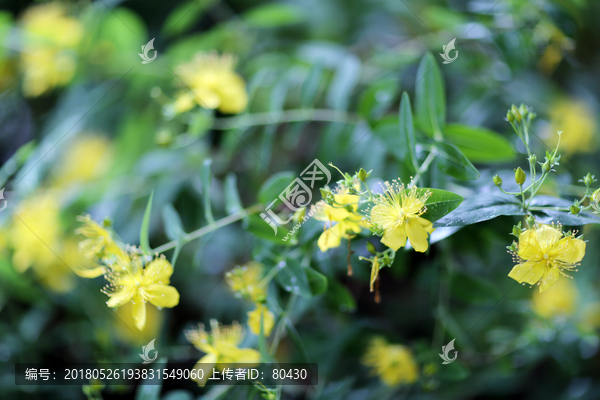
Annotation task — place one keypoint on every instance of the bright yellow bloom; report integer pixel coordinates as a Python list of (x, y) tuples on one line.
[(543, 253), (393, 363), (398, 211), (86, 159), (254, 319), (220, 346), (348, 222), (138, 283), (99, 243), (245, 281), (559, 300), (578, 125), (48, 57), (210, 82)]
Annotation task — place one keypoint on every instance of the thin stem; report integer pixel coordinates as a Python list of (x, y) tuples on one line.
[(424, 166), (211, 227), (282, 322), (278, 117)]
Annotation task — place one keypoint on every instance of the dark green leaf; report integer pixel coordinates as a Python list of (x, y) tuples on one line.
[(440, 203), (144, 240), (272, 188), (172, 222), (407, 134), (564, 217), (262, 229), (479, 144), (233, 204), (472, 289), (340, 297), (292, 278), (206, 178), (430, 99), (454, 163), (317, 281), (480, 208), (343, 83)]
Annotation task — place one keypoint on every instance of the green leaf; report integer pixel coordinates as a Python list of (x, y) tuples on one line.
[(387, 131), (472, 289), (272, 188), (340, 297), (144, 240), (407, 134), (316, 280), (310, 86), (479, 144), (564, 217), (292, 278), (440, 203), (233, 204), (480, 208), (184, 16), (205, 178), (376, 100), (344, 82), (454, 163), (430, 98), (172, 222), (257, 226), (274, 15), (453, 372)]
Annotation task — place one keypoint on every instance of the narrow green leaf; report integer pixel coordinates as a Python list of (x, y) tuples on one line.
[(430, 98), (316, 280), (233, 204), (172, 222), (344, 82), (297, 339), (479, 144), (144, 240), (454, 163), (272, 188), (184, 16), (292, 278), (206, 178), (310, 86), (407, 134)]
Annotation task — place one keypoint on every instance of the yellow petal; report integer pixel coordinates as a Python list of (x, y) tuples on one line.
[(383, 215), (243, 356), (569, 250), (119, 298), (417, 235), (205, 364), (394, 239), (529, 246), (138, 311), (547, 237), (528, 272), (254, 320), (549, 279), (89, 272), (206, 98), (426, 224), (158, 271), (162, 295), (331, 238)]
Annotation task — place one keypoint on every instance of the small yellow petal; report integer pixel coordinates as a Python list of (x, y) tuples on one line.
[(119, 298), (396, 238), (529, 272), (549, 279), (569, 250), (331, 238), (417, 235), (158, 271), (139, 312), (254, 320), (162, 295)]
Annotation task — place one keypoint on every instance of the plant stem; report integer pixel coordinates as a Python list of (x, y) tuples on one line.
[(278, 117), (210, 227), (424, 166)]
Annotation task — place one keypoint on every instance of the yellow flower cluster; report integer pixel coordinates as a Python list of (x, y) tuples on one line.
[(246, 281), (85, 159), (344, 213), (221, 346), (210, 81), (393, 363), (543, 252), (49, 57)]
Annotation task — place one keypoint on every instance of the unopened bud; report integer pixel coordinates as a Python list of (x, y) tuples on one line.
[(520, 176), (546, 167), (530, 220), (497, 180), (574, 209), (371, 248), (510, 116), (517, 230), (596, 196), (533, 160), (363, 175), (516, 113), (588, 180)]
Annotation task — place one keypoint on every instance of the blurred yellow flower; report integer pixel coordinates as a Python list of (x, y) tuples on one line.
[(220, 346), (132, 281), (254, 317), (125, 329), (86, 159), (543, 253), (245, 281), (578, 125), (558, 300), (99, 243), (48, 57), (398, 212), (393, 363), (210, 82), (348, 221)]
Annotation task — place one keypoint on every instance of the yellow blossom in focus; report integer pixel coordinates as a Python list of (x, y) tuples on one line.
[(48, 57), (210, 81), (221, 346), (133, 281), (245, 281), (254, 319), (86, 159), (558, 300), (347, 221), (543, 253), (578, 125), (393, 363), (398, 212)]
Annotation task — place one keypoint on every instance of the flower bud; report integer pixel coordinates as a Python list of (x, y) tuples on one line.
[(588, 180), (530, 220), (363, 175), (574, 209), (517, 230), (596, 196), (510, 116), (515, 112), (520, 176), (533, 160), (371, 248), (497, 181), (546, 167)]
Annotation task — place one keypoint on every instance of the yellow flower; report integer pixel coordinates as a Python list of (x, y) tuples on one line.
[(543, 253), (124, 325), (99, 243), (50, 38), (398, 211), (221, 346), (138, 283), (254, 318), (347, 221), (393, 363), (578, 125), (559, 300), (245, 281), (210, 82), (87, 158)]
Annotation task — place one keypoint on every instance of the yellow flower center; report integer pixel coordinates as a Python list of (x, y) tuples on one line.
[(138, 283), (546, 256)]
